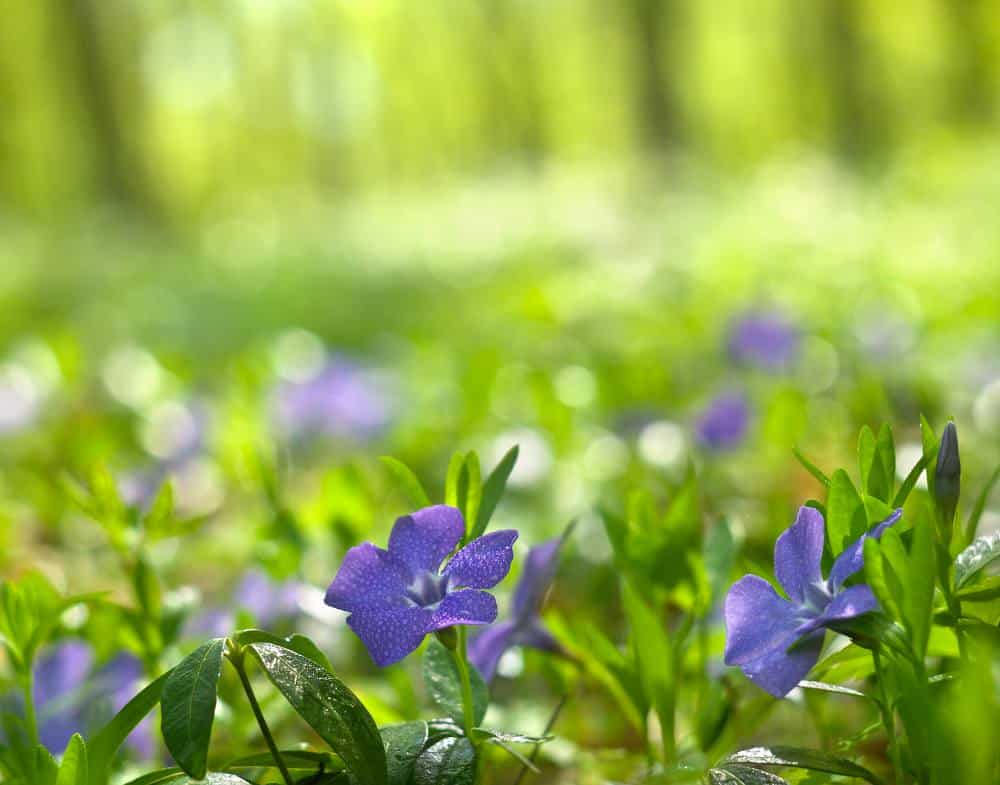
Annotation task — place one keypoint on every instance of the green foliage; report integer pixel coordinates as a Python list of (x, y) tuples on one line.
[(441, 679), (451, 761), (188, 706)]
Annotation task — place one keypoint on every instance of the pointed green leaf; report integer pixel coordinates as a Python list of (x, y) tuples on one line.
[(407, 481), (443, 684), (836, 689), (918, 598), (470, 492), (743, 775), (159, 777), (846, 519), (493, 490), (188, 707), (930, 444), (866, 459), (654, 656), (455, 466), (885, 454), (983, 591), (800, 758), (451, 761), (908, 484), (295, 760), (330, 708), (46, 768), (73, 768), (296, 642), (105, 743)]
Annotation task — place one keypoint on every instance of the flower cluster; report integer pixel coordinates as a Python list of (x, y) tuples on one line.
[(398, 595), (775, 641)]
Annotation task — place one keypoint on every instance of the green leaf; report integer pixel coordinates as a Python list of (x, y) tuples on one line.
[(930, 445), (719, 554), (977, 511), (105, 743), (407, 481), (470, 491), (875, 577), (811, 467), (296, 642), (73, 769), (981, 592), (161, 511), (159, 777), (743, 775), (46, 768), (493, 490), (918, 598), (800, 758), (455, 466), (188, 706), (868, 467), (451, 761), (885, 455), (846, 519), (837, 689), (403, 744), (330, 708), (982, 552), (908, 484), (147, 589), (445, 688), (295, 760), (653, 655)]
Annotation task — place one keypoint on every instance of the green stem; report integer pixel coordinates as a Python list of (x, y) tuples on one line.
[(888, 721), (468, 710), (29, 707), (237, 661)]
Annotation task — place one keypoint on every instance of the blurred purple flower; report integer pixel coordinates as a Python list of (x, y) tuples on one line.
[(766, 339), (71, 697), (268, 600), (775, 641), (725, 421), (397, 596), (342, 400), (524, 628)]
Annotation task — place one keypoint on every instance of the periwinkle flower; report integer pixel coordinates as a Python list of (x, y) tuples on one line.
[(725, 421), (524, 628), (766, 339), (398, 595), (340, 400), (269, 601), (775, 641)]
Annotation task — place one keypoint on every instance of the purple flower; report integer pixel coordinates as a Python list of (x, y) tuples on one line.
[(341, 400), (775, 641), (765, 339), (725, 421), (524, 628), (397, 596), (268, 600)]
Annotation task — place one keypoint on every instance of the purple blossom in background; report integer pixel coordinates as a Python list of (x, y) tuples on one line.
[(341, 400), (761, 626), (766, 339), (70, 697), (524, 628), (399, 595), (725, 421), (268, 600)]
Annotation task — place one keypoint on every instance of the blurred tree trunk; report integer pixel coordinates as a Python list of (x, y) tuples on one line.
[(972, 93), (655, 30), (120, 170), (859, 114)]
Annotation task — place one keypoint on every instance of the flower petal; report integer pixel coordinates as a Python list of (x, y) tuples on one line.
[(367, 578), (757, 620), (853, 558), (489, 646), (389, 635), (780, 670), (422, 539), (851, 602), (468, 606), (539, 570), (484, 562), (798, 552)]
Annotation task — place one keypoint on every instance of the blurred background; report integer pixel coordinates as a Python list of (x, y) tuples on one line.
[(250, 245)]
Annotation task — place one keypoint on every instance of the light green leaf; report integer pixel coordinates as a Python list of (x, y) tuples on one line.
[(811, 467), (407, 481), (493, 490), (743, 775), (73, 768), (846, 519)]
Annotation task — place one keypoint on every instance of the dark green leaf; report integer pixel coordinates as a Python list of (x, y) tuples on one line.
[(407, 481), (982, 552), (797, 757), (73, 767), (105, 743), (493, 490), (295, 760), (330, 708), (403, 744), (445, 688), (188, 706), (811, 467), (160, 777), (451, 761), (299, 643)]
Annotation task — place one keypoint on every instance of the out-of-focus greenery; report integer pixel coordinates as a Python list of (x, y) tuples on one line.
[(522, 222)]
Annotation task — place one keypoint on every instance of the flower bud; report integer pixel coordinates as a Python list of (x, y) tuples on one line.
[(947, 478)]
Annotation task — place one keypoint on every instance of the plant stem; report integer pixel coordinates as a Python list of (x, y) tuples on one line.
[(468, 710), (237, 662), (29, 707), (888, 721)]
